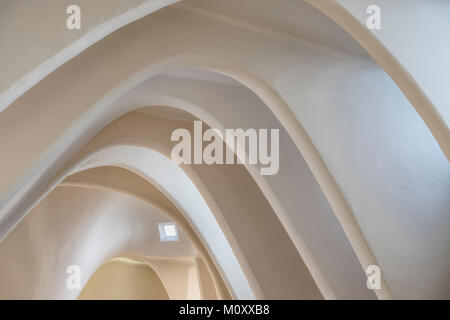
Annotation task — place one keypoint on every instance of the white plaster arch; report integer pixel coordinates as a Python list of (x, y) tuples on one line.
[(97, 148), (280, 189), (68, 46), (152, 166), (346, 13), (84, 227), (393, 53), (92, 232), (430, 199), (99, 145), (294, 120), (126, 182), (167, 177), (36, 199), (105, 110)]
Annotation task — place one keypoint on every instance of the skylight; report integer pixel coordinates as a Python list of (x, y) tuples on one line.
[(168, 231)]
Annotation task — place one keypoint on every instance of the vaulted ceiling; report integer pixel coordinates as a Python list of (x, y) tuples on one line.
[(364, 146)]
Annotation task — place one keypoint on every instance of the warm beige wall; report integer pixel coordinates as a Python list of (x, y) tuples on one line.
[(179, 276), (133, 184), (208, 289), (120, 280)]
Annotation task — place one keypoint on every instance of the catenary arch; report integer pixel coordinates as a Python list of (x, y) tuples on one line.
[(281, 74), (190, 90), (107, 109), (273, 77), (126, 182), (139, 162), (293, 192), (342, 13), (106, 219), (152, 166), (219, 65), (290, 280), (143, 134), (83, 227), (270, 76), (430, 110)]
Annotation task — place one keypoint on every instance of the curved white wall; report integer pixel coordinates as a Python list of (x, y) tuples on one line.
[(375, 160), (394, 47), (79, 226)]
